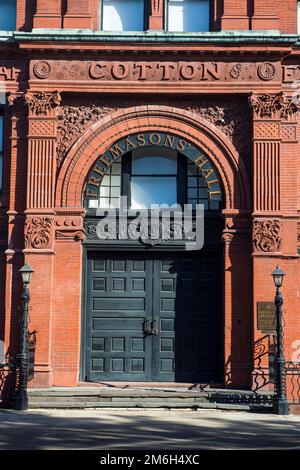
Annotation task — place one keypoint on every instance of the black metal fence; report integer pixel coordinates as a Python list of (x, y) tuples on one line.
[(292, 371)]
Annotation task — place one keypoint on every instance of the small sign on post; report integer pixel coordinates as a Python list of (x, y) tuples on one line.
[(266, 317)]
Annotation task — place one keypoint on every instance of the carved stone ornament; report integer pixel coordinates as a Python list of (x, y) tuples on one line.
[(232, 118), (42, 103), (42, 69), (38, 231), (69, 228), (266, 71), (266, 235), (16, 102), (267, 106)]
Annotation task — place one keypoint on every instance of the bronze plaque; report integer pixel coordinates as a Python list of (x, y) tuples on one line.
[(266, 316)]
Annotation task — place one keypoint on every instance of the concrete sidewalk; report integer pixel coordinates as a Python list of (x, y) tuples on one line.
[(146, 429)]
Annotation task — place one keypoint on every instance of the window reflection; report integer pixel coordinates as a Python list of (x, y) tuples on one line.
[(149, 190), (7, 15), (188, 15), (123, 15)]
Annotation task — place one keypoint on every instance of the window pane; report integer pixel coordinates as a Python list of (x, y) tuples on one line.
[(148, 190), (7, 15), (123, 15), (154, 165), (188, 15)]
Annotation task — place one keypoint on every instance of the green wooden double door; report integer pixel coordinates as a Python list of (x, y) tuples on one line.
[(153, 317)]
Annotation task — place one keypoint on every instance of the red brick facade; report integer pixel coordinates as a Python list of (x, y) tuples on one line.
[(232, 95)]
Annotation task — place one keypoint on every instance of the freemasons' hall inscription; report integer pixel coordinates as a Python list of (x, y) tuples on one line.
[(159, 71), (154, 139)]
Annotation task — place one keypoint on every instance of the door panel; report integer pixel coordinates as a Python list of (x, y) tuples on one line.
[(186, 302), (180, 292), (117, 348)]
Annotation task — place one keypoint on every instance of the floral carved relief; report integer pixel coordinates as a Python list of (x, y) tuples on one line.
[(267, 235), (270, 106), (41, 103), (38, 232), (231, 118)]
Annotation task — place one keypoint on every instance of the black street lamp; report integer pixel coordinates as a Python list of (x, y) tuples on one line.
[(281, 404), (21, 399)]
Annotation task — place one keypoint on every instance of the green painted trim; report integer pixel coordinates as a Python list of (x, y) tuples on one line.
[(86, 35)]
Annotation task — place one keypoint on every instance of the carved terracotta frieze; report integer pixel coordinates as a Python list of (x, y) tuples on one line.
[(267, 235), (38, 232), (155, 70)]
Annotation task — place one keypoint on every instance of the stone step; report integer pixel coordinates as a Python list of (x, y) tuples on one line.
[(143, 404), (102, 397)]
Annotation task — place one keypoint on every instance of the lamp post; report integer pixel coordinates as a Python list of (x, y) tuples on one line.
[(281, 404), (21, 399)]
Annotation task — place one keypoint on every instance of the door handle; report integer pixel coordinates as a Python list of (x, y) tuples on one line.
[(154, 329), (150, 328)]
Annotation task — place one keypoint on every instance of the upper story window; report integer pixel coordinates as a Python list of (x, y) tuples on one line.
[(123, 15), (188, 15), (1, 149), (7, 15)]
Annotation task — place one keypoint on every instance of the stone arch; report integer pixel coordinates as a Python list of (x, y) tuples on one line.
[(186, 125)]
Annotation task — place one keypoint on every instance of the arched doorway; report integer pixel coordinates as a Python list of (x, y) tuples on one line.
[(153, 310)]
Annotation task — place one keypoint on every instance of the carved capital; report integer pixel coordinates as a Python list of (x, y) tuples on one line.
[(38, 232), (42, 103), (16, 102), (237, 229), (69, 226), (274, 106), (267, 235)]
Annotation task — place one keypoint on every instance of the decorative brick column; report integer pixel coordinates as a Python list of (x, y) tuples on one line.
[(156, 18), (78, 14), (275, 182), (14, 223), (39, 223), (235, 15), (67, 296), (237, 304), (48, 14)]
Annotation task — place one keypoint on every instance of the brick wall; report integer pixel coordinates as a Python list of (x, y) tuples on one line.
[(227, 15)]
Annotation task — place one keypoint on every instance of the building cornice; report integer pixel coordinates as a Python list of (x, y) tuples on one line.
[(231, 37)]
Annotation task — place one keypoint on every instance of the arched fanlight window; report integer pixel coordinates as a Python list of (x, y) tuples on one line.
[(154, 175)]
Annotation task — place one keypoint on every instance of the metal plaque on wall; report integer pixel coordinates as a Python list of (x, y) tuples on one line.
[(266, 316)]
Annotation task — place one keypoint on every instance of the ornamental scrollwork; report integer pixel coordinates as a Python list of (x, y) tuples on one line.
[(267, 106), (267, 235), (42, 103), (38, 232)]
